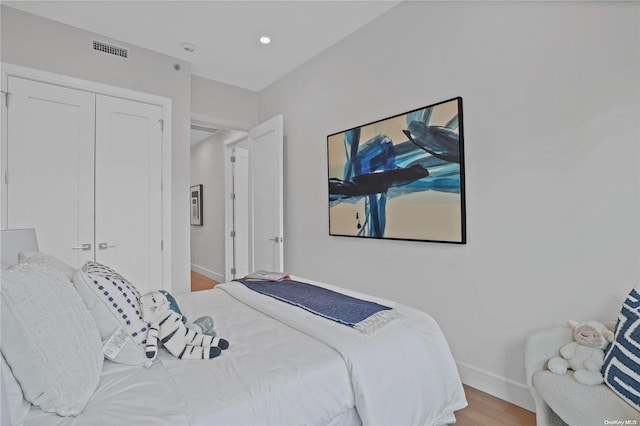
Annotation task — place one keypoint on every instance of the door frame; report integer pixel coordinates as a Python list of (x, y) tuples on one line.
[(209, 121), (228, 206), (109, 90)]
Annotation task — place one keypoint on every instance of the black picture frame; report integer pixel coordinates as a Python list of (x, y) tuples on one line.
[(196, 205), (400, 177)]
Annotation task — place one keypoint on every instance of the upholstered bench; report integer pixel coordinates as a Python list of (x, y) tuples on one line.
[(559, 399)]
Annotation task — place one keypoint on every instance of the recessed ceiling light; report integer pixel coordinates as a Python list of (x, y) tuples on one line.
[(188, 47), (265, 40)]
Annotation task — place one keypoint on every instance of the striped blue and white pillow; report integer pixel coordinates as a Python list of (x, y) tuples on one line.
[(621, 367), (114, 303)]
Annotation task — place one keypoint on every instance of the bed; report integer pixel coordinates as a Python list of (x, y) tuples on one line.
[(285, 366)]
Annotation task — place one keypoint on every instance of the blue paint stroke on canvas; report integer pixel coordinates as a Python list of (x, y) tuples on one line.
[(379, 169)]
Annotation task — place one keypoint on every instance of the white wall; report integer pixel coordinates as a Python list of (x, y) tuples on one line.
[(551, 104), (228, 106), (208, 169), (34, 42)]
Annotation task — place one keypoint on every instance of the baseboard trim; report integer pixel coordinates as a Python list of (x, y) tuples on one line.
[(207, 273), (500, 387)]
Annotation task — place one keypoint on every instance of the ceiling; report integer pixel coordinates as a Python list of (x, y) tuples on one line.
[(225, 33)]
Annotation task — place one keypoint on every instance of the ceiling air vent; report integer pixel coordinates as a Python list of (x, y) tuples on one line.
[(110, 49)]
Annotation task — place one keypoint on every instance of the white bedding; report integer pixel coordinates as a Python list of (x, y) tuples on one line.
[(270, 375), (285, 366), (403, 374)]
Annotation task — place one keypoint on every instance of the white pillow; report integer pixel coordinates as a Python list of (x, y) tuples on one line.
[(50, 340), (46, 261), (114, 303), (14, 407)]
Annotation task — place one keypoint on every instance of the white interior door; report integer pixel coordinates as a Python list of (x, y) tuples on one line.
[(128, 216), (50, 155), (266, 242)]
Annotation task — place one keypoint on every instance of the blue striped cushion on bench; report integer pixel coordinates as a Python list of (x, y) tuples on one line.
[(621, 367)]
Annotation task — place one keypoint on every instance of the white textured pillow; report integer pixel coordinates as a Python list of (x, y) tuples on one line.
[(50, 340), (46, 261), (114, 303), (14, 407)]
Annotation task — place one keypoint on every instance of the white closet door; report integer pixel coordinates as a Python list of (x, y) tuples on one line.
[(50, 167), (128, 189)]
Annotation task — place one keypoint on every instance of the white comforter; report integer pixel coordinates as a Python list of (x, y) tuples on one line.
[(285, 367), (403, 374), (270, 375)]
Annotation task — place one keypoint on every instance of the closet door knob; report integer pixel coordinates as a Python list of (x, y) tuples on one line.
[(84, 247), (104, 246)]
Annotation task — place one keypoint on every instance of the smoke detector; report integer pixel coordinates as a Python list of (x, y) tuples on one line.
[(188, 47)]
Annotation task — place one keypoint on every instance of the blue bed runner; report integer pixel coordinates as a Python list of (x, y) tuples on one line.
[(362, 315)]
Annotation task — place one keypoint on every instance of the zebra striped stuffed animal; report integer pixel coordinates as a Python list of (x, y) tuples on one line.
[(167, 326)]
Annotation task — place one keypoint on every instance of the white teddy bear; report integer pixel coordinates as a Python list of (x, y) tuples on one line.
[(585, 355)]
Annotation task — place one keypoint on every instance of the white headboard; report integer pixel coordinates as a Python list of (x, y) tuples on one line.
[(13, 241)]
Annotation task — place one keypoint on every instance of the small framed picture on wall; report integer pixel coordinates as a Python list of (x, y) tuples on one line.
[(196, 205)]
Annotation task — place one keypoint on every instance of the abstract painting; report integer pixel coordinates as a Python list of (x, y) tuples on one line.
[(196, 205), (401, 177)]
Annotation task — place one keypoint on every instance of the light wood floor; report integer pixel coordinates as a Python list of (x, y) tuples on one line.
[(487, 410), (483, 409), (200, 282)]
